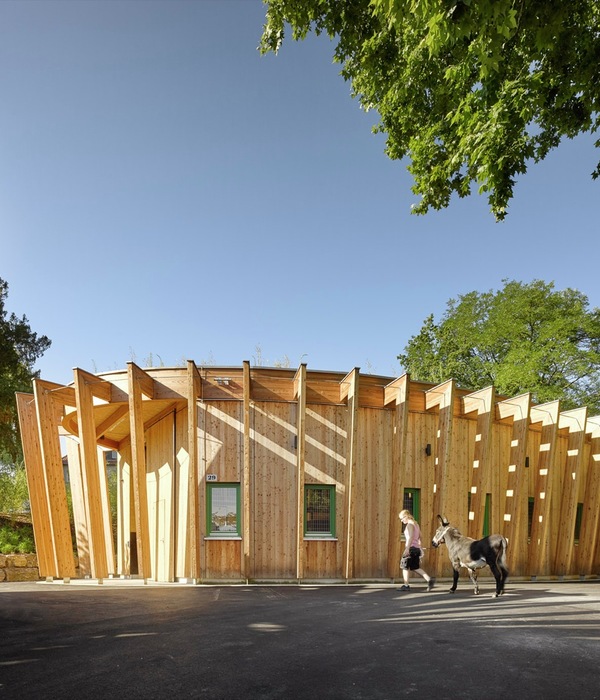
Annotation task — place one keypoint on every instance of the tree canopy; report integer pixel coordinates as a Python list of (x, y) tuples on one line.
[(523, 337), (470, 91), (20, 347)]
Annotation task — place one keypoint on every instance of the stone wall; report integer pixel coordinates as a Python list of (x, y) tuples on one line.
[(18, 567)]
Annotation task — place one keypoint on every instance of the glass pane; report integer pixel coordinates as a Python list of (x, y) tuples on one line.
[(318, 511), (224, 509)]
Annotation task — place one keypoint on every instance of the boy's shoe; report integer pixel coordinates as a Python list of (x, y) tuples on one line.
[(430, 584), (403, 588)]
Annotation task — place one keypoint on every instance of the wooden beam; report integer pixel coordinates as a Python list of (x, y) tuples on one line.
[(544, 477), (575, 422), (589, 538), (120, 412), (36, 483), (143, 380), (397, 391), (90, 470), (352, 393), (441, 397), (300, 391), (106, 512), (49, 401), (516, 496), (246, 476), (483, 402), (78, 501), (194, 385), (97, 386), (136, 378)]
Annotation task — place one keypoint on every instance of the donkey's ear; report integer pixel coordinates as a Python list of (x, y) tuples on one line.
[(443, 521), (440, 519)]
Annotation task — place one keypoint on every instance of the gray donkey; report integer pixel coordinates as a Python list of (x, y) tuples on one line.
[(473, 554)]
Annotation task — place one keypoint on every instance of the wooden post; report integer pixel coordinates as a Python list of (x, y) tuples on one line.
[(36, 483), (516, 495), (300, 395), (589, 539), (575, 422), (397, 392), (194, 389), (91, 474), (139, 382), (246, 564), (482, 402), (539, 543), (50, 399), (349, 389)]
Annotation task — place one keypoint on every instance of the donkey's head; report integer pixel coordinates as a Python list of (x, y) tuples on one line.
[(438, 538)]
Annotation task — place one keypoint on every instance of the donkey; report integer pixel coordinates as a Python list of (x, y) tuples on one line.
[(473, 554)]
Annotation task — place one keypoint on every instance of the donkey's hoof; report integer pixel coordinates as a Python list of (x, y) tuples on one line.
[(452, 590)]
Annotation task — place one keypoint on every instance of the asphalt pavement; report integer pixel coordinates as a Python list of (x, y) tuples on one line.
[(369, 642)]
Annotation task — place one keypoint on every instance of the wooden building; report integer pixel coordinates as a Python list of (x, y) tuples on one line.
[(229, 474)]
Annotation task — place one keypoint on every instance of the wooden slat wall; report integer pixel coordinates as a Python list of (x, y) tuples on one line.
[(78, 501), (272, 431)]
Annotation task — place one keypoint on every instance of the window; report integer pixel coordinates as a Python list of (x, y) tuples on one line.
[(578, 519), (319, 511), (412, 502), (223, 510)]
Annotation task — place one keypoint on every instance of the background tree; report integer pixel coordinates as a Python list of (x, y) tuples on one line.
[(20, 347), (471, 91), (523, 337)]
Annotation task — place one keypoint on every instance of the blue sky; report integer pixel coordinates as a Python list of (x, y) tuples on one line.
[(166, 191)]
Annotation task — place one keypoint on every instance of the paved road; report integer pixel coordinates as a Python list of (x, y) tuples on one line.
[(540, 640)]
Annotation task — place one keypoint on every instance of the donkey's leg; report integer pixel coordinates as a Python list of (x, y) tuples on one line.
[(473, 575), (498, 576), (454, 580)]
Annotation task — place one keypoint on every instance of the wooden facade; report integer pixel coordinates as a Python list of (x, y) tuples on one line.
[(488, 463)]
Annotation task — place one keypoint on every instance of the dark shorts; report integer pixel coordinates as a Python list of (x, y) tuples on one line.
[(412, 562)]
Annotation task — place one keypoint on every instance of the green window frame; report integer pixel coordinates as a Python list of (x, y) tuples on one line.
[(319, 511), (223, 510), (411, 501)]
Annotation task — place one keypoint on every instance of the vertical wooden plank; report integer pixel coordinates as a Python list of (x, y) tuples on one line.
[(539, 544), (246, 562), (442, 397), (516, 495), (106, 512), (350, 387), (300, 382), (137, 379), (48, 411), (193, 392), (90, 470), (36, 483), (397, 392), (125, 518), (482, 402), (575, 422), (79, 509), (589, 538)]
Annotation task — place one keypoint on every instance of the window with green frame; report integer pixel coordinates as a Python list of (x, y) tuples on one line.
[(223, 510), (486, 513), (319, 510), (412, 501)]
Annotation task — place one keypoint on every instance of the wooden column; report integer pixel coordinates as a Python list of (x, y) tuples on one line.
[(349, 388), (589, 537), (80, 518), (575, 422), (91, 470), (545, 468), (36, 483), (139, 383), (482, 402), (516, 496), (397, 393), (445, 500), (194, 390), (50, 399), (300, 396), (247, 530)]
